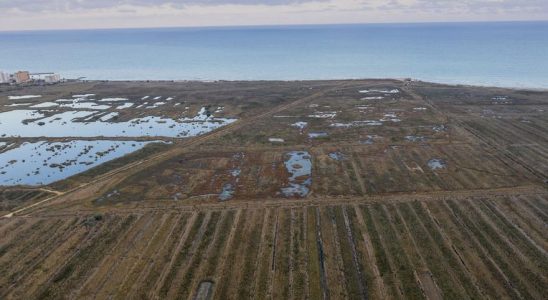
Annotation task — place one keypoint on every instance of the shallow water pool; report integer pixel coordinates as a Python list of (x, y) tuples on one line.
[(41, 163)]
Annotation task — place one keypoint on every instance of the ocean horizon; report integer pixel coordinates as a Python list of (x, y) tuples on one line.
[(505, 54)]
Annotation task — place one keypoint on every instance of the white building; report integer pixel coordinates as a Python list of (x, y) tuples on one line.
[(4, 77), (53, 78), (45, 77)]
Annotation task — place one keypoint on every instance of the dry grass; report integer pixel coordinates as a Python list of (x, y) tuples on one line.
[(379, 223)]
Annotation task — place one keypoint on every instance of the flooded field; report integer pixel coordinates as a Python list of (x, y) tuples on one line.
[(395, 146), (437, 164), (23, 97), (33, 123), (41, 163), (315, 135), (299, 166), (24, 118), (337, 156), (227, 192)]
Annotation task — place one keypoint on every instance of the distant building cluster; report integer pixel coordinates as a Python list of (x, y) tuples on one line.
[(25, 77)]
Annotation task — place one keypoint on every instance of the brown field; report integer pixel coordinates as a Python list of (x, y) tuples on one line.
[(379, 221)]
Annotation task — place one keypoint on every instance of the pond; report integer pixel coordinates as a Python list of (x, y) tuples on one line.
[(41, 163), (299, 166)]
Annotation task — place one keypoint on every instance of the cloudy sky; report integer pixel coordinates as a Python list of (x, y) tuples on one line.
[(73, 14)]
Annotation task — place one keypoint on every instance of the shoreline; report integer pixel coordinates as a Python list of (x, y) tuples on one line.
[(402, 79), (7, 88)]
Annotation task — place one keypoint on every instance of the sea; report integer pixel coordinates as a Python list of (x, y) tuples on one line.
[(507, 54)]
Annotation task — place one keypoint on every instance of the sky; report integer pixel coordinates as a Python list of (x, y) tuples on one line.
[(83, 14)]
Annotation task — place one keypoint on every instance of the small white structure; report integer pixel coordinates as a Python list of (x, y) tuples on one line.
[(4, 77), (53, 78), (46, 77)]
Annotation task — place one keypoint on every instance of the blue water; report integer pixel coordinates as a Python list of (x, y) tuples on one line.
[(511, 54)]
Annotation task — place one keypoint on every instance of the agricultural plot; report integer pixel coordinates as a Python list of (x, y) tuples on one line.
[(363, 189), (389, 141), (440, 248), (66, 134), (512, 122), (11, 198)]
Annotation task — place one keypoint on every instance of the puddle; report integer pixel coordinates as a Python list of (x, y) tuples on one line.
[(235, 172), (300, 125), (380, 91), (390, 117), (205, 291), (113, 99), (314, 135), (390, 120), (299, 165), (29, 123), (78, 103), (228, 188), (83, 96), (436, 164), (370, 140), (17, 104), (155, 105), (419, 108), (439, 128), (203, 115), (414, 138), (24, 97), (373, 98), (356, 124), (324, 115), (499, 98), (85, 105), (125, 105), (45, 105), (238, 156), (113, 194), (276, 140), (41, 163), (108, 117), (227, 192), (284, 116), (337, 156)]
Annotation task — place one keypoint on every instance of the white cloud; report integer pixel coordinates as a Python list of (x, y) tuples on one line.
[(35, 14)]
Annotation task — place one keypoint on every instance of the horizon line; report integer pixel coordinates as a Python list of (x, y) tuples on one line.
[(273, 25)]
